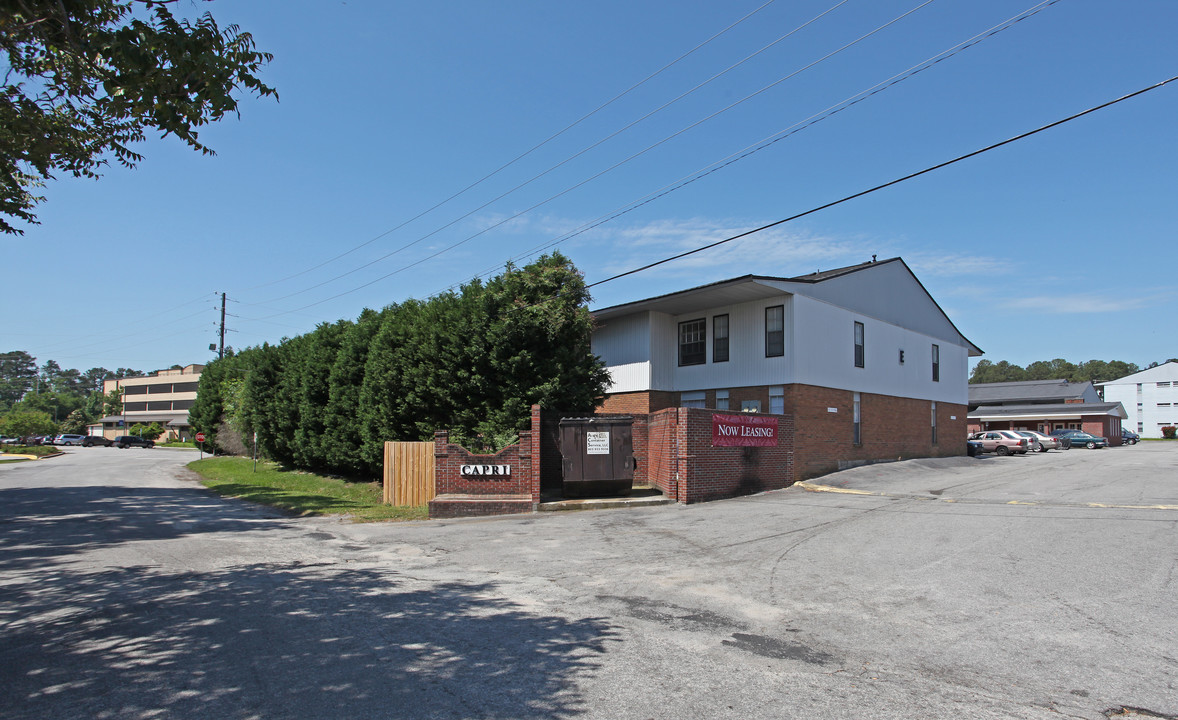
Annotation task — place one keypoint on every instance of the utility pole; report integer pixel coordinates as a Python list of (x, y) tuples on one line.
[(221, 349)]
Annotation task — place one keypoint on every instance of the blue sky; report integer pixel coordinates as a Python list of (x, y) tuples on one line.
[(1061, 245)]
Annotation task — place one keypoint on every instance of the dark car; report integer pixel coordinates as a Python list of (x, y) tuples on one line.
[(92, 440), (1079, 438), (126, 441), (1129, 438), (973, 448)]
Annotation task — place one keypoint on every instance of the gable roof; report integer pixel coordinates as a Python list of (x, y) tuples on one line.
[(747, 288), (1026, 391), (1054, 410), (1167, 371)]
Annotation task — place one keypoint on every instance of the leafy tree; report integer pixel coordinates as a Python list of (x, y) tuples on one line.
[(88, 78), (342, 438), (128, 373), (93, 378), (318, 358), (151, 431), (76, 422), (18, 374), (219, 410), (1096, 371), (57, 406), (989, 372), (22, 423), (112, 402)]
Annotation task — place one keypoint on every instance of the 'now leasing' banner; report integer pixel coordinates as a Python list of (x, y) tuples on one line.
[(743, 430)]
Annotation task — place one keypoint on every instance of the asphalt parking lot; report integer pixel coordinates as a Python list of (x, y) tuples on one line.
[(1023, 587)]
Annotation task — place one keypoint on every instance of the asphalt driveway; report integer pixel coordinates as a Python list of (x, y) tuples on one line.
[(127, 591)]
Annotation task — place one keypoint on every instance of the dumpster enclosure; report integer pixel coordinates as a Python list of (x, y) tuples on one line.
[(689, 454)]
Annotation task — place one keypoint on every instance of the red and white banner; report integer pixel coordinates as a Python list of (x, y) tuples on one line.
[(743, 431)]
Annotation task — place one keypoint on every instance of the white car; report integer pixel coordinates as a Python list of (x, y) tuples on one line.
[(69, 439), (1039, 442)]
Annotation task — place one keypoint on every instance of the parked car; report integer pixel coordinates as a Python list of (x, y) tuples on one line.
[(1040, 442), (974, 447), (92, 440), (68, 439), (1002, 442), (126, 441), (1129, 438), (1079, 438), (9, 440)]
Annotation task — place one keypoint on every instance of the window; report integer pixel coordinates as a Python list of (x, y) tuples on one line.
[(859, 346), (720, 338), (777, 400), (934, 406), (857, 432), (750, 406), (936, 363), (775, 331), (1163, 384), (693, 340), (135, 389), (134, 407), (721, 399), (696, 399), (158, 405)]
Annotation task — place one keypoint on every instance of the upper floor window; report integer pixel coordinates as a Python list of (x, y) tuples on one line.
[(775, 331), (777, 399), (696, 399), (936, 363), (859, 354), (693, 342), (720, 338), (1163, 384)]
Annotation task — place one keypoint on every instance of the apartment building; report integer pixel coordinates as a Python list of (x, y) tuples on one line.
[(163, 397)]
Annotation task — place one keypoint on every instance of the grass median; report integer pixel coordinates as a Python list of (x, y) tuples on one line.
[(299, 492)]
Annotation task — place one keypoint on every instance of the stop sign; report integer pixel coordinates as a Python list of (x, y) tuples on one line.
[(200, 437)]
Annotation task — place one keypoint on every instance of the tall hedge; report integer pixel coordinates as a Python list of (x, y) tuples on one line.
[(472, 361)]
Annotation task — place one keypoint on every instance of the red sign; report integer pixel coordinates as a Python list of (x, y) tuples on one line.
[(743, 431), (200, 437)]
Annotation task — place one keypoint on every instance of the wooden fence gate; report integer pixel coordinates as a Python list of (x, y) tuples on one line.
[(408, 473)]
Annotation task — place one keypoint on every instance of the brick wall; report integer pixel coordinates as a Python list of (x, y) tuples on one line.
[(711, 473), (892, 428), (638, 403), (462, 495)]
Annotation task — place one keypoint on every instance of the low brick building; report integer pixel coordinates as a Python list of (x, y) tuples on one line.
[(1043, 406), (862, 359)]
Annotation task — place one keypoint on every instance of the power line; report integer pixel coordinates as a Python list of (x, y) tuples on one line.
[(887, 184), (530, 150), (779, 136), (579, 184), (587, 149)]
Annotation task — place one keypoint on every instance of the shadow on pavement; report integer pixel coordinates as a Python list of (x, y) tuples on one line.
[(274, 640), (39, 523)]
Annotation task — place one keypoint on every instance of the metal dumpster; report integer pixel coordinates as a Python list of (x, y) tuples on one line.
[(598, 456)]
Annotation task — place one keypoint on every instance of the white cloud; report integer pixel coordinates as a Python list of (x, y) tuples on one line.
[(1077, 304), (945, 265)]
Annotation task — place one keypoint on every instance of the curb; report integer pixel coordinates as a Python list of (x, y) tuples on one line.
[(813, 487)]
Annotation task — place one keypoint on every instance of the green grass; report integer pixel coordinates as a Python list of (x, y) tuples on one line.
[(177, 444), (38, 450), (298, 492)]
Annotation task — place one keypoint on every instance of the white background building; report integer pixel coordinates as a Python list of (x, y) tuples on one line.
[(1150, 398)]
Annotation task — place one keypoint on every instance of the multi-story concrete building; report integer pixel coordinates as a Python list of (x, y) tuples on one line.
[(1150, 398), (862, 357), (163, 397)]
